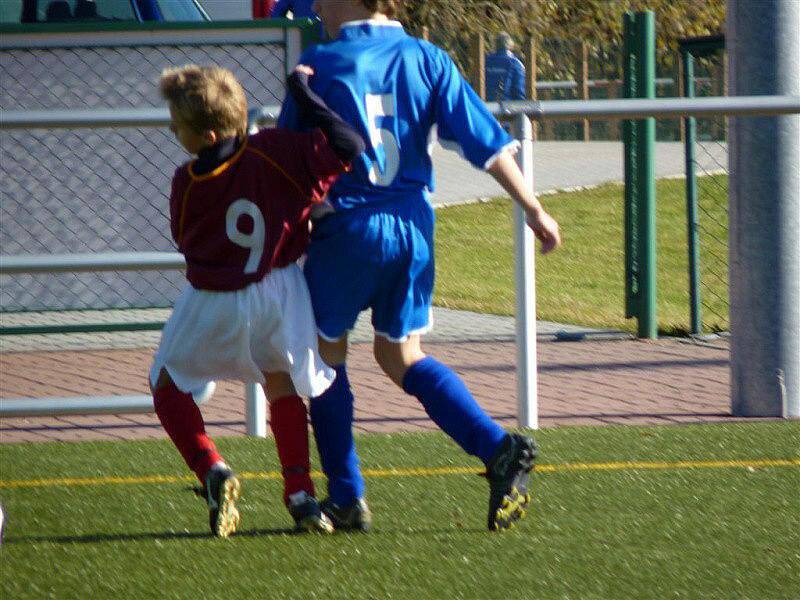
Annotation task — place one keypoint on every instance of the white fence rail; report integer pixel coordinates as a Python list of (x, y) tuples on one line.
[(546, 110), (524, 254)]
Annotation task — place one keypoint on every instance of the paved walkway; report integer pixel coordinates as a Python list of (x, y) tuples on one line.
[(564, 165), (586, 377)]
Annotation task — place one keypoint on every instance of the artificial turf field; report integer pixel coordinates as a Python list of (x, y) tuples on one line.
[(696, 511)]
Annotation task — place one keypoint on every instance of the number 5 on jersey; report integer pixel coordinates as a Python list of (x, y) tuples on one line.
[(382, 105), (253, 240)]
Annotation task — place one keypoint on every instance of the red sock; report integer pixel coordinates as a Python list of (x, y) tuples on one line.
[(183, 423), (288, 420)]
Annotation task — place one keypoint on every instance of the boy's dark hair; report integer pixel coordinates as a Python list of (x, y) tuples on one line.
[(390, 8)]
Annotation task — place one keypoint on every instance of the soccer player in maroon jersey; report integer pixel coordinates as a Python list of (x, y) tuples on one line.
[(239, 214)]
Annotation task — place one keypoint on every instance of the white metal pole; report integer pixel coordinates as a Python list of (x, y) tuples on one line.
[(89, 405), (255, 410), (525, 276)]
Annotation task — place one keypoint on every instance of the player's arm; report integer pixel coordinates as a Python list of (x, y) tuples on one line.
[(463, 118), (505, 170), (313, 112)]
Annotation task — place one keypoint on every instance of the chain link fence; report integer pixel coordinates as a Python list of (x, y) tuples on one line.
[(711, 181), (104, 190), (580, 182), (101, 190)]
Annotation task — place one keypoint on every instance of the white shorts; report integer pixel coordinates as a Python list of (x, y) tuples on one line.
[(266, 327)]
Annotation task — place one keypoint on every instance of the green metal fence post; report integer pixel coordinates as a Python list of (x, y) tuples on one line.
[(690, 126), (645, 151), (631, 190)]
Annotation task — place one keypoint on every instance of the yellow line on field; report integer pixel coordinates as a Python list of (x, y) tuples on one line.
[(413, 472)]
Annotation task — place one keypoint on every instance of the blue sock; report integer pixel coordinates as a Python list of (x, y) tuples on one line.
[(450, 405), (332, 419)]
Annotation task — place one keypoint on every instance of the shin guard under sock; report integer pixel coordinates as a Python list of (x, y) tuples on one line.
[(289, 423), (181, 419), (450, 405)]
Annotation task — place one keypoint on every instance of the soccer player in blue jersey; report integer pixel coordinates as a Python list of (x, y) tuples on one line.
[(505, 73), (374, 247)]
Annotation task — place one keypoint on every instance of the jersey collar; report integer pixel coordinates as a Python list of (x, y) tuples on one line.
[(369, 28), (213, 161)]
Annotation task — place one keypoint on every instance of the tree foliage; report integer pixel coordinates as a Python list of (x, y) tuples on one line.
[(599, 20), (454, 23)]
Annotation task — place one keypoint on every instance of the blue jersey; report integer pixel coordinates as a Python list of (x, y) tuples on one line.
[(398, 92), (505, 77)]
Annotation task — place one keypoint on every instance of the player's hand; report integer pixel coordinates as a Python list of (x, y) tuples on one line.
[(545, 228), (298, 82), (304, 69)]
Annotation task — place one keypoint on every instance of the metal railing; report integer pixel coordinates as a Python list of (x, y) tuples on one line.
[(524, 254)]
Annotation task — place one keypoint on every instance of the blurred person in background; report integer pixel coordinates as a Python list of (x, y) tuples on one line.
[(505, 73), (300, 9)]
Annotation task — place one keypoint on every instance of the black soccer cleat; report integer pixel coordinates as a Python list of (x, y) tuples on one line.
[(509, 476), (307, 514), (356, 517), (222, 490)]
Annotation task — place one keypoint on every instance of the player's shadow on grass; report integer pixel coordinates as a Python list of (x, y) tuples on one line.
[(197, 535), (135, 537)]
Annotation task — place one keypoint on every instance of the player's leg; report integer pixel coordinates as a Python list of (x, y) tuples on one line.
[(332, 420), (508, 457), (288, 420), (400, 313), (183, 422), (200, 343), (340, 272), (442, 393), (181, 418)]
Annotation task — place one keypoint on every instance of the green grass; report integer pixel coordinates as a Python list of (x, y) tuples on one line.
[(583, 282), (633, 533)]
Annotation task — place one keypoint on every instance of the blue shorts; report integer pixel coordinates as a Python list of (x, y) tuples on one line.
[(378, 257)]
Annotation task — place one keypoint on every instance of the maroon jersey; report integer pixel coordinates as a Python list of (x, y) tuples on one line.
[(250, 214)]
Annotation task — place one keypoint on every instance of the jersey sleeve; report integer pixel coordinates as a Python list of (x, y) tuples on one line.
[(463, 119), (289, 117), (321, 163), (179, 187)]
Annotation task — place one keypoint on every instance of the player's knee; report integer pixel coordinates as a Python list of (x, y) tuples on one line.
[(384, 359), (334, 353), (392, 367), (395, 359), (278, 385)]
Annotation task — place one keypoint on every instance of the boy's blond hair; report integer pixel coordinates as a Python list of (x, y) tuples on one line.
[(390, 8), (206, 99)]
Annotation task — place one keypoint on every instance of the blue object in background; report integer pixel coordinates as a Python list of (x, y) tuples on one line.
[(505, 73), (301, 9), (505, 77)]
